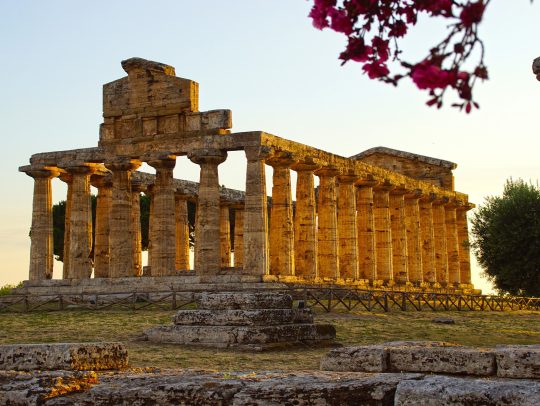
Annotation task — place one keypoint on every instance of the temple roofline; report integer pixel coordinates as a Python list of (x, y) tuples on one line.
[(406, 155)]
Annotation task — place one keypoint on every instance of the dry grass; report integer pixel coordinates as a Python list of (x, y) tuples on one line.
[(471, 328)]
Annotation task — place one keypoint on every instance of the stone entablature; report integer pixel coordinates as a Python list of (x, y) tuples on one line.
[(367, 225)]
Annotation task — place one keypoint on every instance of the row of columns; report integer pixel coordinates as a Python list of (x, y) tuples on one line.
[(358, 229)]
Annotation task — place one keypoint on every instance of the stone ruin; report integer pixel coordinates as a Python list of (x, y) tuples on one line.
[(245, 321), (380, 219), (399, 373)]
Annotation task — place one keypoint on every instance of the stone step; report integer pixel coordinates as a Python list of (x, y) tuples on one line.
[(259, 317), (249, 337), (244, 301), (69, 356)]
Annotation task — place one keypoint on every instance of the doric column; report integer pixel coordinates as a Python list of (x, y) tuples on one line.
[(441, 249), (66, 178), (163, 224), (255, 214), (225, 235), (347, 231), (239, 236), (305, 224), (414, 246), (136, 189), (41, 233), (452, 244), (207, 238), (121, 229), (383, 233), (151, 234), (463, 244), (80, 223), (281, 218), (365, 223), (327, 238), (427, 238), (400, 262), (182, 232), (101, 238)]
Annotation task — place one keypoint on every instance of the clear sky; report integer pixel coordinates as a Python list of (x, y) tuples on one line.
[(265, 62)]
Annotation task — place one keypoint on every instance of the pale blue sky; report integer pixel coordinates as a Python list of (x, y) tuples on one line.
[(265, 62)]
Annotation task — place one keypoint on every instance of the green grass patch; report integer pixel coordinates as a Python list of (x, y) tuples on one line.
[(484, 329)]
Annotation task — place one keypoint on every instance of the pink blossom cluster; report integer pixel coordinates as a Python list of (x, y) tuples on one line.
[(374, 27)]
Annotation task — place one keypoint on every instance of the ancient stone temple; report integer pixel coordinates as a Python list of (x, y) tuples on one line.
[(382, 218)]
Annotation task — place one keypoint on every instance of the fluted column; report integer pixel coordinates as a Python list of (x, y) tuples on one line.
[(182, 232), (80, 223), (305, 225), (365, 222), (101, 238), (463, 245), (67, 179), (41, 233), (400, 265), (347, 231), (452, 244), (207, 238), (281, 218), (136, 189), (383, 233), (239, 236), (121, 228), (255, 214), (163, 224), (225, 235), (327, 237), (414, 246), (427, 238), (441, 249), (151, 233)]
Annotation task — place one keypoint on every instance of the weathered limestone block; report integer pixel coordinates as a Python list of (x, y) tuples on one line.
[(442, 359), (243, 301), (305, 225), (258, 317), (518, 361), (445, 390), (322, 388), (248, 337), (84, 356), (42, 387), (371, 358)]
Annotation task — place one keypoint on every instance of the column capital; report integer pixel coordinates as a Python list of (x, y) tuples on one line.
[(123, 165), (327, 171), (347, 179), (163, 162), (137, 186), (306, 165), (429, 198), (384, 187), (466, 206), (100, 181), (441, 201), (208, 155), (414, 194), (258, 153), (40, 172), (399, 191), (281, 160), (367, 181), (81, 169)]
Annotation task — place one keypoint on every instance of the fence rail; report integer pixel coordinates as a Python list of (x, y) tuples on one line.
[(326, 299)]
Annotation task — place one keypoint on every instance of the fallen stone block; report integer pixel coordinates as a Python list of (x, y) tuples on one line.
[(247, 337), (244, 301), (518, 361), (356, 359), (75, 356), (444, 390), (242, 317), (443, 360)]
